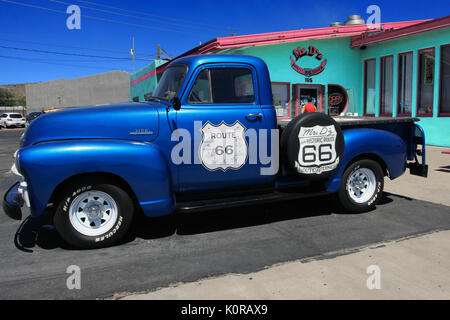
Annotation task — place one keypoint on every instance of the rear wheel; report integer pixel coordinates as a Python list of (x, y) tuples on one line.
[(93, 214), (361, 186)]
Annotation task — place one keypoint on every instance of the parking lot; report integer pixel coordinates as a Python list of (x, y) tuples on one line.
[(170, 250)]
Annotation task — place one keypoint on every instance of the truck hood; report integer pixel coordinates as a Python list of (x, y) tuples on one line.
[(125, 121)]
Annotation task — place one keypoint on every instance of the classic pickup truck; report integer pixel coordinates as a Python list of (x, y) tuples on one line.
[(207, 138)]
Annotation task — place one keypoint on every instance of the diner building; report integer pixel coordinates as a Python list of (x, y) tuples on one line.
[(393, 69)]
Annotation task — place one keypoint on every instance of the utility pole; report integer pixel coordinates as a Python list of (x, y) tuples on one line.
[(132, 54), (158, 52)]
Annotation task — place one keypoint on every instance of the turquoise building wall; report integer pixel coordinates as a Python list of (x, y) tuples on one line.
[(342, 68), (437, 128)]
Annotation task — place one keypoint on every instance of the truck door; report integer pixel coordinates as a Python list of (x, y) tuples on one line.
[(220, 107)]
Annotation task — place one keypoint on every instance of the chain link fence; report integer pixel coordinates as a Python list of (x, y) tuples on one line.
[(18, 109)]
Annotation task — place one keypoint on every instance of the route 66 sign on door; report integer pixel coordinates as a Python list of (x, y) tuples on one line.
[(223, 146), (317, 152)]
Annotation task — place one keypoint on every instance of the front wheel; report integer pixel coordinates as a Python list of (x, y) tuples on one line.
[(361, 186), (93, 214)]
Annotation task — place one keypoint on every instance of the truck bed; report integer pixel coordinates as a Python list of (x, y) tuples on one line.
[(346, 122)]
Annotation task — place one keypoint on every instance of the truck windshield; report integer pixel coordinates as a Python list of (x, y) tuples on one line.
[(170, 82)]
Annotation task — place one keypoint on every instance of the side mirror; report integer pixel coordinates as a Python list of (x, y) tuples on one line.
[(176, 103)]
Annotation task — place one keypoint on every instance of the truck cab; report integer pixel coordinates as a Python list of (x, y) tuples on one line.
[(207, 138), (224, 95)]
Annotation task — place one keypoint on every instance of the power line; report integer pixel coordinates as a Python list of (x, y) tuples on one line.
[(150, 15), (149, 55), (72, 47), (167, 54), (76, 60), (54, 63), (135, 16), (62, 46), (69, 54), (95, 18)]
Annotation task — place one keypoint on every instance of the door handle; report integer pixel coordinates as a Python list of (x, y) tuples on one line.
[(254, 115)]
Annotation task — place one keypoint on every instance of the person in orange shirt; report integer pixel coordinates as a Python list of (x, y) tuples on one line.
[(309, 107)]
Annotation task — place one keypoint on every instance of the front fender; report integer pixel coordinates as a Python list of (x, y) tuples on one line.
[(140, 164), (385, 145)]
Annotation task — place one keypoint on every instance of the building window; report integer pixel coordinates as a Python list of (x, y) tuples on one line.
[(444, 99), (405, 73), (386, 85), (136, 99), (337, 99), (281, 99), (425, 88), (369, 86)]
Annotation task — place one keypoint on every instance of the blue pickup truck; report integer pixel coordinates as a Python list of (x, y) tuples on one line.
[(207, 138)]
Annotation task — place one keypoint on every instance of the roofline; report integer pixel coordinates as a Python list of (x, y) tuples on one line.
[(365, 38), (306, 34)]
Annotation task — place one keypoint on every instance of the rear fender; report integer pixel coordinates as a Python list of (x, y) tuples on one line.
[(381, 145), (46, 165)]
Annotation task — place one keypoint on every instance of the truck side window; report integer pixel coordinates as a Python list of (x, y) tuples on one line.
[(201, 91), (223, 85)]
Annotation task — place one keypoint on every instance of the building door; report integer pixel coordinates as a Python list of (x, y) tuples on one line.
[(303, 91)]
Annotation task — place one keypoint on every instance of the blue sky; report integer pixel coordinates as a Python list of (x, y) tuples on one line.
[(106, 31)]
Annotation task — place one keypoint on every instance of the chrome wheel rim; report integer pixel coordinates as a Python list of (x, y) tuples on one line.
[(93, 213), (361, 185)]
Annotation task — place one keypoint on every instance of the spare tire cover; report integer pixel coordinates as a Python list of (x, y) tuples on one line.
[(313, 145)]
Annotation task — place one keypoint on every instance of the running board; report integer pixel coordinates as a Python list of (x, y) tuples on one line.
[(215, 204)]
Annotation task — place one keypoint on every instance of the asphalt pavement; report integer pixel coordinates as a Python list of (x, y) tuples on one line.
[(169, 250)]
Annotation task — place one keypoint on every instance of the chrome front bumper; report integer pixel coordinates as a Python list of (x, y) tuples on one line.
[(16, 197), (13, 202)]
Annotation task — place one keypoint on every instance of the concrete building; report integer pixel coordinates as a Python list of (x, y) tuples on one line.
[(102, 88), (394, 69)]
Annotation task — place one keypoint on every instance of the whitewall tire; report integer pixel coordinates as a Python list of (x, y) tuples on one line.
[(93, 214), (361, 186)]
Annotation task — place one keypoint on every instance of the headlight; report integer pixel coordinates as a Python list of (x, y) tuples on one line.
[(16, 165)]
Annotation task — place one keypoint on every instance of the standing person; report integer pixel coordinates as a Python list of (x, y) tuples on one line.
[(309, 107)]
